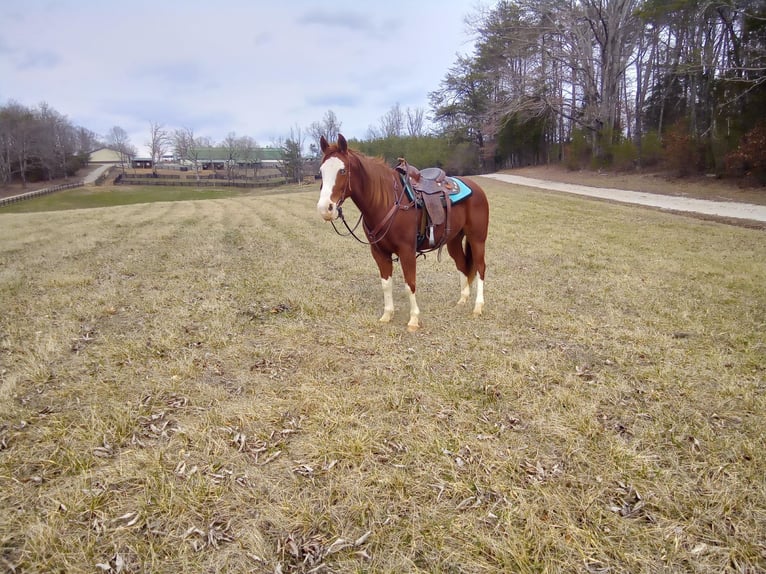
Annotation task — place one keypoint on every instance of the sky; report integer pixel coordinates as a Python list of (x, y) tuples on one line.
[(258, 68)]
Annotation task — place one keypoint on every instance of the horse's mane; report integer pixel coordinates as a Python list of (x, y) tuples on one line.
[(377, 176)]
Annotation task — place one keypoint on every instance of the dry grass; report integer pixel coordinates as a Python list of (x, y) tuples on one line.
[(204, 387)]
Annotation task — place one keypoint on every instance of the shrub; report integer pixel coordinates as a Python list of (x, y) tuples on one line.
[(749, 159), (651, 149), (681, 152), (464, 159), (624, 155), (577, 152)]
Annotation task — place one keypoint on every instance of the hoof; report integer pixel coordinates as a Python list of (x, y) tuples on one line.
[(462, 301), (386, 318), (413, 328), (478, 310)]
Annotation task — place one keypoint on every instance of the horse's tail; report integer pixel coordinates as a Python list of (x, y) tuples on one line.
[(470, 264)]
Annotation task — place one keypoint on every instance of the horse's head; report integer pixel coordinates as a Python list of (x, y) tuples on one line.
[(336, 184)]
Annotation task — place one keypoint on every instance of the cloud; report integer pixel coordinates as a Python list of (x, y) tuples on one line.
[(254, 68), (38, 60), (348, 20), (175, 75), (341, 100)]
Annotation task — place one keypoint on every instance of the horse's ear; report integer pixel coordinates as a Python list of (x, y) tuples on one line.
[(323, 144), (342, 143)]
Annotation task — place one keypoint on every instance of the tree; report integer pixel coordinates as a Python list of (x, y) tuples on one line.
[(118, 140), (21, 126), (158, 143), (392, 122), (84, 140), (461, 105), (233, 154), (292, 163), (37, 143), (414, 119), (329, 128), (615, 29), (6, 146), (186, 148), (249, 150), (697, 64)]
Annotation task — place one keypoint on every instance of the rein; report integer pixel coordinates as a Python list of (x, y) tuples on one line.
[(374, 236), (350, 230)]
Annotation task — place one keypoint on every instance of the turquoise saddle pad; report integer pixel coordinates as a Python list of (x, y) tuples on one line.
[(462, 192)]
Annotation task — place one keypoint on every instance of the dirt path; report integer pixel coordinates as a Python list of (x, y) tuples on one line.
[(727, 210)]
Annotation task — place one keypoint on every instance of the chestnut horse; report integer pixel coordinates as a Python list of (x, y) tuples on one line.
[(391, 220)]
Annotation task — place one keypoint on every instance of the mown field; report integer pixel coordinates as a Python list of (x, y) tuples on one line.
[(110, 196), (203, 386)]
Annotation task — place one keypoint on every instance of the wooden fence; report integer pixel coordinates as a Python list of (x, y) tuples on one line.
[(39, 192), (203, 182)]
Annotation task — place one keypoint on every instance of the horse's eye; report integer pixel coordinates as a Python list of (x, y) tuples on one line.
[(342, 172)]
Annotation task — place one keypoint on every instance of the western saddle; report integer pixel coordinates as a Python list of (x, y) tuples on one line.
[(430, 188)]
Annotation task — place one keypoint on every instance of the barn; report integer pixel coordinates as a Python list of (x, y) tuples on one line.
[(104, 155)]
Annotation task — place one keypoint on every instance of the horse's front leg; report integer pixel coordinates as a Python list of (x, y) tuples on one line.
[(386, 267)]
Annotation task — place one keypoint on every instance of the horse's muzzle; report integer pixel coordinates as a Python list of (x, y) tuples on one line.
[(328, 211)]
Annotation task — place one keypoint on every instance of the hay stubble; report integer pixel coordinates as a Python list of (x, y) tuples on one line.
[(204, 385)]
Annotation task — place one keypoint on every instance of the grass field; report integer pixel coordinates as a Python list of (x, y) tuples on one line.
[(111, 196), (203, 386)]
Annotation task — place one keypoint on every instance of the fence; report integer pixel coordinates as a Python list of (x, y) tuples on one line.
[(203, 182), (39, 192)]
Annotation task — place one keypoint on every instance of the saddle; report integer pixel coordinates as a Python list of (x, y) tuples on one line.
[(431, 189)]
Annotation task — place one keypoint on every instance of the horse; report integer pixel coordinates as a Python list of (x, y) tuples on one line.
[(392, 218)]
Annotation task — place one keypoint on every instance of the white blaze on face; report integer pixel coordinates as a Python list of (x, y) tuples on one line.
[(329, 170)]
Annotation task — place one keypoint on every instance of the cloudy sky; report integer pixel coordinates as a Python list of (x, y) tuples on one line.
[(253, 67)]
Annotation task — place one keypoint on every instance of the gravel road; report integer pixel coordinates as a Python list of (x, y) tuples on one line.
[(726, 209)]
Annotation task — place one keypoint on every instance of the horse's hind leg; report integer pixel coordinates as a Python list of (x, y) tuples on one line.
[(478, 267), (455, 249), (470, 264)]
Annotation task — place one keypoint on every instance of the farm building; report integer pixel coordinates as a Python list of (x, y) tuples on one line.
[(141, 163), (219, 157), (106, 155)]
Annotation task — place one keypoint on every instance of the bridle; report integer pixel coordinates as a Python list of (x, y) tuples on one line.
[(381, 230), (346, 193)]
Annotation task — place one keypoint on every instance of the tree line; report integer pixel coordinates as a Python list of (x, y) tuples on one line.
[(40, 144), (612, 83)]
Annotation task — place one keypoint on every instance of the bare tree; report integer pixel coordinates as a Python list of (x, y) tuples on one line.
[(40, 142), (373, 133), (6, 147), (415, 122), (232, 147), (392, 122), (49, 141), (85, 140), (248, 149), (187, 148), (615, 29), (118, 140), (20, 126), (158, 143), (329, 127)]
